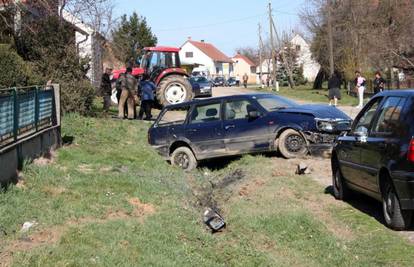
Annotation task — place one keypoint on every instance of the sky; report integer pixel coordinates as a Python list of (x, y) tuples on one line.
[(228, 24)]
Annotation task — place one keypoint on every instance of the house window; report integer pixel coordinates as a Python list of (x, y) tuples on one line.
[(298, 48), (253, 69), (189, 54)]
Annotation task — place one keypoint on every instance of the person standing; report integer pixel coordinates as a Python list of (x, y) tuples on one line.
[(106, 89), (379, 83), (360, 87), (129, 87), (245, 80), (147, 97), (334, 86)]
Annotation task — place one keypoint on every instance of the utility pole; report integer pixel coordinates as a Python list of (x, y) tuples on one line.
[(272, 44), (330, 39), (260, 55)]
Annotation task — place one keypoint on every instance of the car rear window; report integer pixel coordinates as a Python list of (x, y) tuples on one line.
[(173, 117)]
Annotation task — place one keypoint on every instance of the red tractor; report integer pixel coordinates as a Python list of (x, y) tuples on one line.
[(164, 67)]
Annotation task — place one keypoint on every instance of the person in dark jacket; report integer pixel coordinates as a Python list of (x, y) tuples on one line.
[(106, 89), (334, 86), (129, 87), (379, 83), (147, 97)]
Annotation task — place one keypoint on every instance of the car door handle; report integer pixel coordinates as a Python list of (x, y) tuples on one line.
[(227, 127), (192, 130)]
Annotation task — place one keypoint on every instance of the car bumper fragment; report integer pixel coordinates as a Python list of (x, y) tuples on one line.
[(320, 138)]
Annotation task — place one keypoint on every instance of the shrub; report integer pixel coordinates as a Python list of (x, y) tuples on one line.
[(14, 70)]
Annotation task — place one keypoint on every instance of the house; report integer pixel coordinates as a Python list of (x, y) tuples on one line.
[(196, 54), (88, 42), (304, 59), (90, 46), (243, 65), (310, 66)]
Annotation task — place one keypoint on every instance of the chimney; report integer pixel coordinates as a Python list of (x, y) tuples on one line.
[(202, 41), (189, 38)]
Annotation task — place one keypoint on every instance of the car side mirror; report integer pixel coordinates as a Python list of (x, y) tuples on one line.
[(254, 114), (361, 137)]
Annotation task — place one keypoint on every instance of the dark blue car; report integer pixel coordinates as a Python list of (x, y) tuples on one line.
[(202, 87), (233, 125), (376, 156)]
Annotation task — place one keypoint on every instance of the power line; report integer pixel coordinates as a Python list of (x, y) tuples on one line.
[(212, 24)]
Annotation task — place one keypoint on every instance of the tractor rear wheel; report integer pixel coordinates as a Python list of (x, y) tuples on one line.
[(174, 89)]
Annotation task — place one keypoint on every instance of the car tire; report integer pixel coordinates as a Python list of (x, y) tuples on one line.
[(181, 83), (340, 189), (184, 158), (292, 144), (395, 218)]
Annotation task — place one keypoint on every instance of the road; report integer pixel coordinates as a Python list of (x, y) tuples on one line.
[(225, 91)]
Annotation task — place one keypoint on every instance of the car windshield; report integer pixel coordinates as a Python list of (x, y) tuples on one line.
[(200, 79), (273, 102)]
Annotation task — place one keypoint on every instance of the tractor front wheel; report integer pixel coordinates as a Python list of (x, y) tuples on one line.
[(174, 90)]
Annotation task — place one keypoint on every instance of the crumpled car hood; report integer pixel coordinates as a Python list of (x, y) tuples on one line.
[(319, 111)]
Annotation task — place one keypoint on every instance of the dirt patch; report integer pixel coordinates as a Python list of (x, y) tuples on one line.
[(26, 243), (53, 234), (320, 168), (318, 207), (53, 191), (250, 188), (85, 168), (141, 209), (47, 159)]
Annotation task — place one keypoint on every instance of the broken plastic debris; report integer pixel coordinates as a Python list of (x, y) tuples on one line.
[(213, 220), (27, 225)]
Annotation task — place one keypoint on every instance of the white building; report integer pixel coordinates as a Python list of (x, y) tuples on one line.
[(310, 66), (197, 54), (89, 44)]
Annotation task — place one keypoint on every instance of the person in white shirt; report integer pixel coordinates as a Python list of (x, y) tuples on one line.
[(360, 88)]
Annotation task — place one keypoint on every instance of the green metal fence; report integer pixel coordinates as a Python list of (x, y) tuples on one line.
[(24, 111)]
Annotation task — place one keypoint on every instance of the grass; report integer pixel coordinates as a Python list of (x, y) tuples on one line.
[(82, 204), (306, 93)]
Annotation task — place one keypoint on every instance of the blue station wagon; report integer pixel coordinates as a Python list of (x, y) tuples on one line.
[(203, 129)]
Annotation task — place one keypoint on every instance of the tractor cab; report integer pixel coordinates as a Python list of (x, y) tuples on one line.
[(157, 59)]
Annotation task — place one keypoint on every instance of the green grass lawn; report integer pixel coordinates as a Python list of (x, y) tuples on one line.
[(306, 93), (109, 200)]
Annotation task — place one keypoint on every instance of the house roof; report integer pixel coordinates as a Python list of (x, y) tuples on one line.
[(248, 60), (211, 51)]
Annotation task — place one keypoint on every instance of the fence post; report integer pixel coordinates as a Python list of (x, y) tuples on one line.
[(15, 114), (37, 104)]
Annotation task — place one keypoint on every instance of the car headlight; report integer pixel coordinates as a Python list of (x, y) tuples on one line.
[(325, 125), (332, 125)]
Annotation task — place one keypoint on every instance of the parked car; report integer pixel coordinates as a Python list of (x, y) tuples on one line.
[(234, 125), (201, 86), (376, 156), (232, 81), (219, 81)]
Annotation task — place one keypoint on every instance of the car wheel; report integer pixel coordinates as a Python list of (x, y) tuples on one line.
[(394, 216), (340, 189), (184, 158), (292, 144)]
